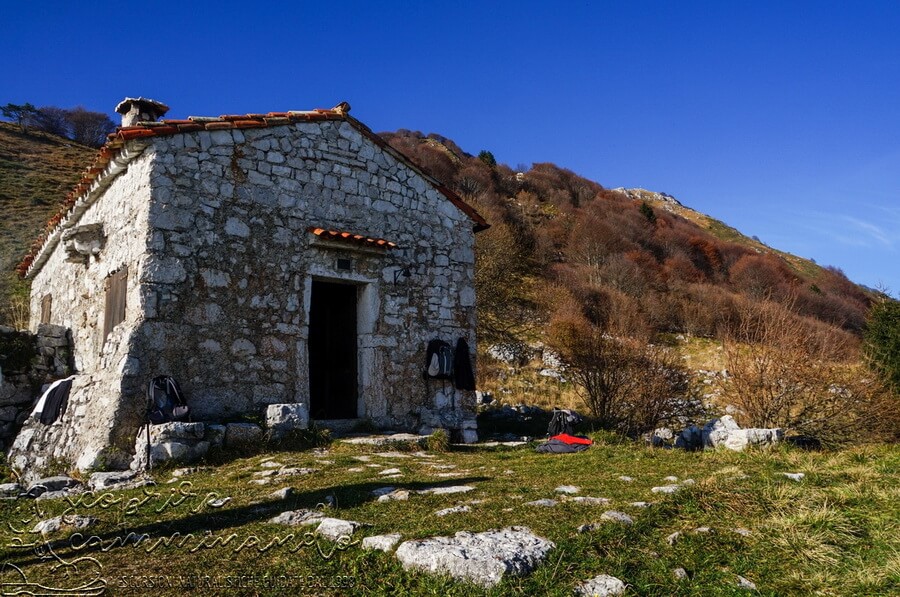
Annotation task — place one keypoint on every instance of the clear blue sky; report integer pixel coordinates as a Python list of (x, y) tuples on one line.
[(780, 118)]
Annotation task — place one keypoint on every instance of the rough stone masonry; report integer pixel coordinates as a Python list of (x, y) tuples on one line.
[(202, 234)]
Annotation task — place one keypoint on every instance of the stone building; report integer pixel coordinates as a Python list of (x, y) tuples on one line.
[(286, 257)]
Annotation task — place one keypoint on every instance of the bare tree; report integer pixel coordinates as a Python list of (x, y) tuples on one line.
[(627, 385), (53, 120), (90, 128)]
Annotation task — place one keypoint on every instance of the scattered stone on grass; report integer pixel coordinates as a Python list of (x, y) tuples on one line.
[(447, 490), (264, 481), (381, 542), (671, 539), (545, 502), (453, 510), (356, 469), (390, 471), (271, 464), (444, 466), (481, 558), (293, 471), (666, 489), (570, 489), (680, 574), (362, 458), (218, 503), (51, 484), (601, 586), (297, 517), (10, 490), (115, 480), (282, 494), (702, 530), (688, 482), (615, 516), (743, 532), (640, 504), (743, 583), (794, 476), (590, 501), (335, 528), (400, 495), (53, 525), (671, 479), (626, 478)]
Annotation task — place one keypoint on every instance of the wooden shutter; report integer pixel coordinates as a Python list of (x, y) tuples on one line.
[(116, 285), (46, 306)]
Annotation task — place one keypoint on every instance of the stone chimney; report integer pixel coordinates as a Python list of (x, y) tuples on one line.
[(140, 109)]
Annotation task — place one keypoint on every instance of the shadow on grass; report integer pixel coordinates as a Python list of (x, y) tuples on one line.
[(200, 524)]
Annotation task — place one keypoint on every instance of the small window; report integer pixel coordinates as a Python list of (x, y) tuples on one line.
[(46, 305), (116, 284)]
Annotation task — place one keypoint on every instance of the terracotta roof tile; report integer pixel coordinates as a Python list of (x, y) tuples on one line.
[(352, 238)]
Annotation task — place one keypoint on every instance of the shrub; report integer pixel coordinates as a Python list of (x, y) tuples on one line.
[(627, 386), (788, 372), (438, 441), (882, 342)]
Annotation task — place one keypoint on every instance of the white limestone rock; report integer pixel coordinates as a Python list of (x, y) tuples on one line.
[(281, 419), (298, 517), (601, 586), (544, 503), (724, 432), (57, 523), (335, 528), (453, 510), (665, 489), (480, 558), (383, 543), (570, 489), (619, 517)]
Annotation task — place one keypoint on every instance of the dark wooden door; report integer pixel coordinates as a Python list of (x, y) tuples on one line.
[(333, 384)]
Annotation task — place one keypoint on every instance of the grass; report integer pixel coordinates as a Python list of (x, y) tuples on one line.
[(36, 172), (834, 533)]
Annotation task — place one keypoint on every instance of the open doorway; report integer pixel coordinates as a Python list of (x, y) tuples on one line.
[(333, 379)]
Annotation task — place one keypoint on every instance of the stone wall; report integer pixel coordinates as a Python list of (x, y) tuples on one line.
[(231, 266), (106, 402), (27, 362)]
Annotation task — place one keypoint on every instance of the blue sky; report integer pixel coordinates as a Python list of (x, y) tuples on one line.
[(780, 118)]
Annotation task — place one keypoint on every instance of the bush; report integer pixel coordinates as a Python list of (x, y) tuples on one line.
[(438, 441), (627, 386), (783, 372)]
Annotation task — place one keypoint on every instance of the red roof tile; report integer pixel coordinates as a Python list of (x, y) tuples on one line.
[(350, 237), (165, 127)]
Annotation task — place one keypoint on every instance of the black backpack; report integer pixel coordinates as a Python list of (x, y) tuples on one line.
[(563, 421), (165, 402), (438, 360)]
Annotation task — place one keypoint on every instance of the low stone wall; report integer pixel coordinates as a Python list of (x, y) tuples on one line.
[(28, 361)]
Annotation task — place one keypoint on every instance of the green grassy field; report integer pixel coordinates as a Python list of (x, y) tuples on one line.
[(836, 532)]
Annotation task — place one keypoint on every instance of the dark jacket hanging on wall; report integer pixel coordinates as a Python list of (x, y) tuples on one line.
[(463, 376), (56, 402)]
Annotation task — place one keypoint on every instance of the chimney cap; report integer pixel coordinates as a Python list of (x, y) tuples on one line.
[(142, 102)]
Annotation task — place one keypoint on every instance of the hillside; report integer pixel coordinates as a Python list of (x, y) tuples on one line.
[(36, 171), (635, 262)]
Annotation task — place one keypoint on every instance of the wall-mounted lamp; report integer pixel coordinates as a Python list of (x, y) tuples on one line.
[(402, 273)]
